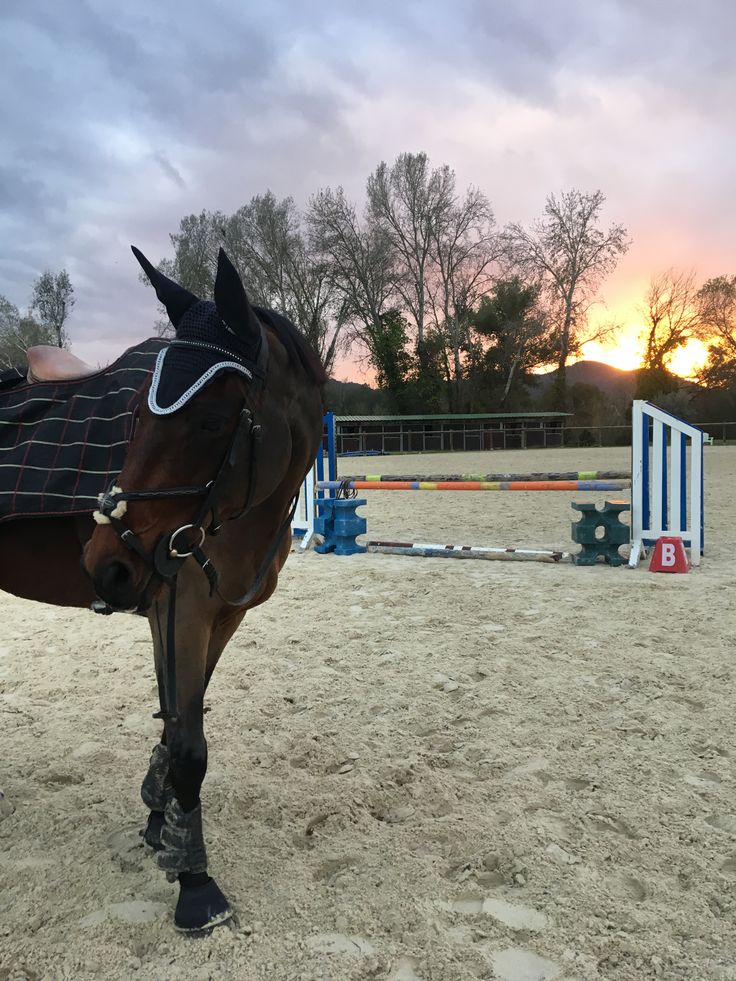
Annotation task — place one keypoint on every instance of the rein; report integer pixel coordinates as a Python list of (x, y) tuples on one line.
[(169, 554)]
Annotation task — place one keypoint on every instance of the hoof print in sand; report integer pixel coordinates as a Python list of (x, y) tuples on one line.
[(134, 911), (517, 964), (604, 822), (126, 848), (6, 808), (404, 970), (340, 943), (723, 822), (629, 887), (513, 915)]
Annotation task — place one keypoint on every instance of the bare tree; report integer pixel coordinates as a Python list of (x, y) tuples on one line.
[(717, 312), (196, 245), (672, 316), (717, 325), (275, 259), (405, 201), (52, 302), (194, 264), (359, 258), (261, 237), (18, 333), (570, 256), (265, 241), (464, 249)]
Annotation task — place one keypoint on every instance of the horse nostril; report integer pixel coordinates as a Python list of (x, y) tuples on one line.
[(115, 584)]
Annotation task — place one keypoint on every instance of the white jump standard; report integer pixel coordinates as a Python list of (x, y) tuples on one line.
[(665, 498)]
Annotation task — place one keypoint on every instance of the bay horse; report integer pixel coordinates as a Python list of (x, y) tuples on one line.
[(192, 534)]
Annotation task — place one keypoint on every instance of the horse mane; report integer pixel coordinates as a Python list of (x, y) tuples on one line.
[(300, 351)]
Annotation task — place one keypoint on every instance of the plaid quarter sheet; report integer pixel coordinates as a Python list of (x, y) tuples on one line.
[(61, 443)]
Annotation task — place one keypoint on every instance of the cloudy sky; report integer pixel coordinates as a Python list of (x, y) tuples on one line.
[(118, 119)]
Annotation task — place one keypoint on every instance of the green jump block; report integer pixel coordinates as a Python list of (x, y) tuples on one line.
[(600, 532)]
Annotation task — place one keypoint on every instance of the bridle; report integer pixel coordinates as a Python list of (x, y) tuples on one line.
[(169, 554)]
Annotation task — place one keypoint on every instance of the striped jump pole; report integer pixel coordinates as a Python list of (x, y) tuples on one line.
[(431, 551), (495, 477), (475, 485)]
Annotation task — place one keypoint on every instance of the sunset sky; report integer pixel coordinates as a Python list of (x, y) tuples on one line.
[(117, 120)]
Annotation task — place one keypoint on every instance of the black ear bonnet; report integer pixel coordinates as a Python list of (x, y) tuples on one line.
[(205, 344), (203, 348)]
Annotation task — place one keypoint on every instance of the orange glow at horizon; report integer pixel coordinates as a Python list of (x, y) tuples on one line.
[(626, 348), (623, 350)]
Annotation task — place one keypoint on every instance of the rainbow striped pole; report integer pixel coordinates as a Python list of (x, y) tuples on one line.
[(476, 485), (492, 477)]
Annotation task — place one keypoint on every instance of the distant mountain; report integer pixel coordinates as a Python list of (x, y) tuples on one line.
[(353, 399), (611, 381)]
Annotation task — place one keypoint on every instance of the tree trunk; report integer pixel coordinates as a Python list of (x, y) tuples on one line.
[(458, 369), (560, 397), (509, 379)]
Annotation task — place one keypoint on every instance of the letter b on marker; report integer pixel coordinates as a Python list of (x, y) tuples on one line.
[(669, 556)]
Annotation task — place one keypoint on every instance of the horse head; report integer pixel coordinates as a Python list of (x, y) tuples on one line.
[(224, 435)]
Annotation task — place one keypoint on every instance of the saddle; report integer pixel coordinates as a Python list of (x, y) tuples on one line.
[(47, 363)]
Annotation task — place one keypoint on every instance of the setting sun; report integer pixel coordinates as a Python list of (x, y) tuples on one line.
[(625, 348), (624, 353), (688, 360)]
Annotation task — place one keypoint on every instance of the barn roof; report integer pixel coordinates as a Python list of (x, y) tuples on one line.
[(453, 417)]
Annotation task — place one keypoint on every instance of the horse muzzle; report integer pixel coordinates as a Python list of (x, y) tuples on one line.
[(117, 583)]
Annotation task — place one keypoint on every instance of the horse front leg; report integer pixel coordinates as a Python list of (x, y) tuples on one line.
[(183, 855), (175, 779), (157, 788)]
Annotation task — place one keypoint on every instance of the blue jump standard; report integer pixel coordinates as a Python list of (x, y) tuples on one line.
[(339, 525)]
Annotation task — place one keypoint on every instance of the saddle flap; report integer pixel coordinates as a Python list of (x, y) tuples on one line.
[(47, 363)]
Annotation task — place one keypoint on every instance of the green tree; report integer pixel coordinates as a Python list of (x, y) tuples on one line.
[(591, 410), (389, 356), (18, 333), (52, 302), (520, 334), (653, 384)]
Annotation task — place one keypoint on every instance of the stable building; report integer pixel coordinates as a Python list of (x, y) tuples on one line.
[(476, 431)]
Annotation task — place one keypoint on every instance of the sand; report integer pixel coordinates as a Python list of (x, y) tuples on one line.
[(419, 768)]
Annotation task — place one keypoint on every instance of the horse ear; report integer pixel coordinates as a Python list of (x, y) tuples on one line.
[(232, 301), (175, 298)]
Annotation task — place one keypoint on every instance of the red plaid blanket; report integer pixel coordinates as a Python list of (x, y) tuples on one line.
[(61, 443)]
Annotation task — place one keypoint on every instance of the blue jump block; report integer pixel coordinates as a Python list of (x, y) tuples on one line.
[(339, 525)]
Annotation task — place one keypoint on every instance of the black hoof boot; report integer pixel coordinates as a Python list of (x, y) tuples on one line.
[(202, 906), (152, 832)]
